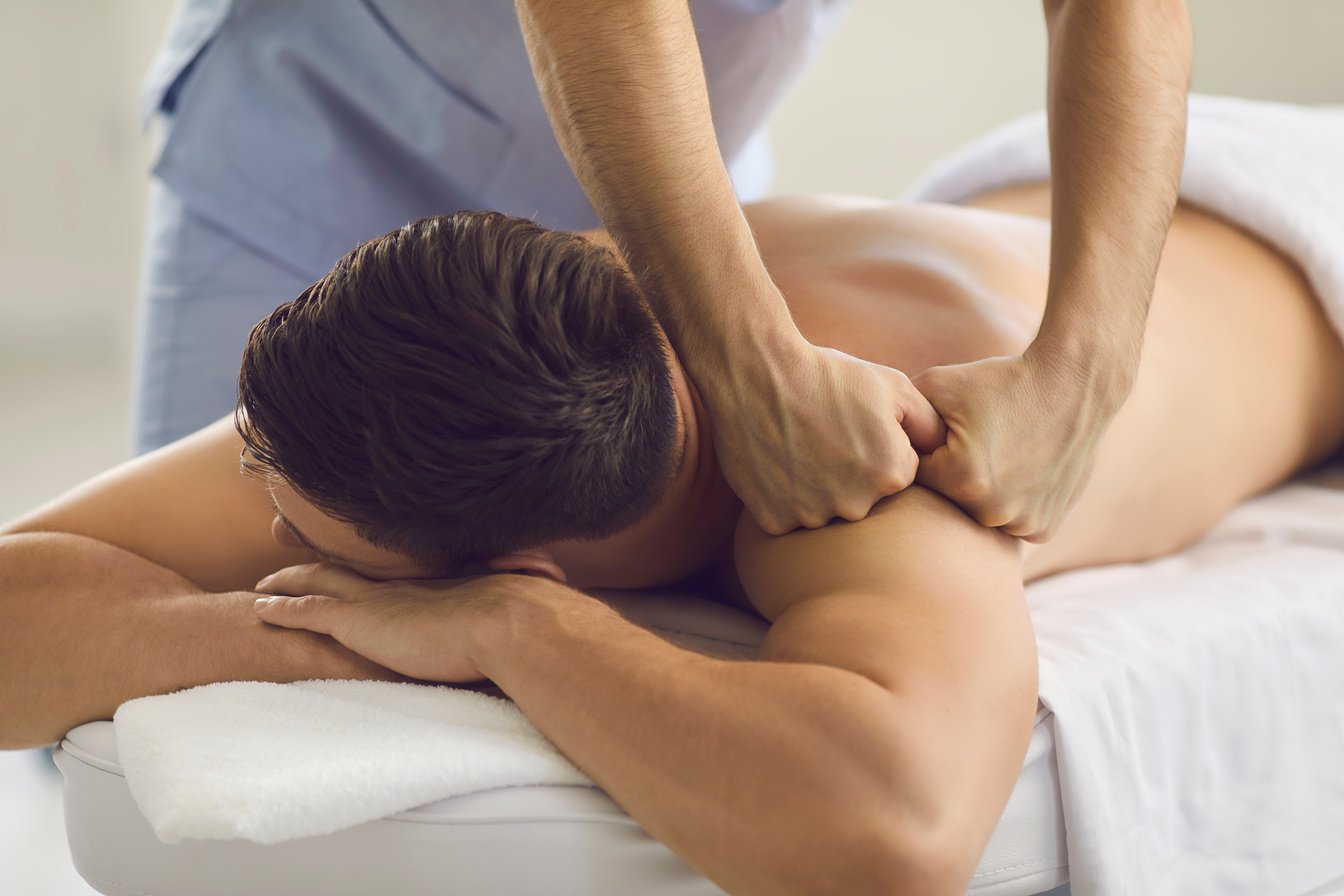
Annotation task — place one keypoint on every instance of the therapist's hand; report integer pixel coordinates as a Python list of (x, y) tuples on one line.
[(1022, 438), (812, 434), (429, 629)]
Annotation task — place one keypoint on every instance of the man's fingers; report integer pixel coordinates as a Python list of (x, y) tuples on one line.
[(310, 578), (314, 612)]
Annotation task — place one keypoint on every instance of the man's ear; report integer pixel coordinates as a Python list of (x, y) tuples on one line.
[(536, 561)]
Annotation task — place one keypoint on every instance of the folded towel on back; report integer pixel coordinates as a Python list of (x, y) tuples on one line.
[(1273, 168)]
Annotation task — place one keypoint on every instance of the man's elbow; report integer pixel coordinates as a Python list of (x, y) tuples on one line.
[(19, 731), (884, 858)]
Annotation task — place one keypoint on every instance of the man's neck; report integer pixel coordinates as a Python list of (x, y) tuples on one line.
[(689, 528)]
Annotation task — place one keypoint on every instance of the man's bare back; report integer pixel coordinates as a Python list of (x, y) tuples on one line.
[(1239, 364)]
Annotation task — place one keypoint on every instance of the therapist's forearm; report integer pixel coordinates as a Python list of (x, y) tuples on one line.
[(768, 777), (624, 86), (85, 626), (1119, 75)]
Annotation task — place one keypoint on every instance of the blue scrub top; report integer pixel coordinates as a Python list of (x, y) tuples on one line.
[(304, 127)]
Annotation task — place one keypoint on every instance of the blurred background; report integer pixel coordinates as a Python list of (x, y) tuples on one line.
[(902, 83)]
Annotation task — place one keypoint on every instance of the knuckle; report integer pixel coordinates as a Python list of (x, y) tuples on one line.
[(852, 509), (813, 520), (896, 479), (1040, 534), (900, 379), (998, 519), (909, 467), (977, 489)]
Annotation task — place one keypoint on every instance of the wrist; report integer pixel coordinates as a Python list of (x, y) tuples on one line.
[(741, 319), (749, 363), (1098, 369), (712, 293), (287, 655), (520, 612)]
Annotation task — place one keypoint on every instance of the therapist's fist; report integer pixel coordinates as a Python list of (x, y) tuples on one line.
[(817, 434), (1022, 437)]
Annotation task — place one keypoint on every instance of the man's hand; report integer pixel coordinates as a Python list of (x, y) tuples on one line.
[(819, 436), (1022, 436), (425, 629)]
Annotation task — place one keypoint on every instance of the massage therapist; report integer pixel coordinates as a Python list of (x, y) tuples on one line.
[(294, 129)]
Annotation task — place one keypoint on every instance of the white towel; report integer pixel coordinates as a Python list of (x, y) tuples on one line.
[(1273, 168), (269, 762)]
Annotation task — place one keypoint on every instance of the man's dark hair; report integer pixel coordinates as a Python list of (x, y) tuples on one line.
[(465, 386)]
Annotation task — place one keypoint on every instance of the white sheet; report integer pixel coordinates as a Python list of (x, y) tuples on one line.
[(1199, 708)]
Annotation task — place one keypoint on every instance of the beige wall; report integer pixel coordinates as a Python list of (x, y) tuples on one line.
[(71, 171), (903, 82)]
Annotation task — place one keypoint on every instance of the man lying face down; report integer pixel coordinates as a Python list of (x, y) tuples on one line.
[(473, 394)]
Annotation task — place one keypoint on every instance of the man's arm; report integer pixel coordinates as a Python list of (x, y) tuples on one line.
[(187, 507), (804, 434), (871, 749), (88, 626), (1023, 433), (137, 583)]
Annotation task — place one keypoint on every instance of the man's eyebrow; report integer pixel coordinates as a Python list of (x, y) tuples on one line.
[(303, 539)]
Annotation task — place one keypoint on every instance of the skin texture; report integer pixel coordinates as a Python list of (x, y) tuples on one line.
[(806, 434), (896, 689)]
